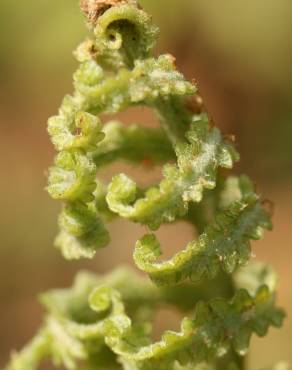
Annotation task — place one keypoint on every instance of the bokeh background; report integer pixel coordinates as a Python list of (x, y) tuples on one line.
[(240, 53)]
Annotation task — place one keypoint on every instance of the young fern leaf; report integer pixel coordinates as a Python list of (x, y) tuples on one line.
[(90, 319), (73, 179), (105, 323), (196, 170), (211, 332), (76, 132), (225, 243)]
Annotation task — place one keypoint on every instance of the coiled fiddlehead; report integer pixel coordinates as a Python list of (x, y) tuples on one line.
[(105, 322)]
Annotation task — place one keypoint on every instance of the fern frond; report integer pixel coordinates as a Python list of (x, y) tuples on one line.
[(104, 323), (225, 244)]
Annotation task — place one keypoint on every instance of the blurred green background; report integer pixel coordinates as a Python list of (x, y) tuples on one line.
[(240, 53)]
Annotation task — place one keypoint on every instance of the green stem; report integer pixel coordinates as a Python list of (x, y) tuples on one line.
[(174, 118)]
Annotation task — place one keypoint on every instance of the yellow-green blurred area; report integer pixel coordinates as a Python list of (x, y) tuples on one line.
[(239, 52)]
